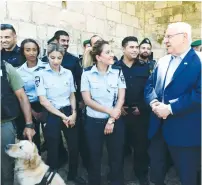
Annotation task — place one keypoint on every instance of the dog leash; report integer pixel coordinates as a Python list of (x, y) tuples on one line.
[(48, 177)]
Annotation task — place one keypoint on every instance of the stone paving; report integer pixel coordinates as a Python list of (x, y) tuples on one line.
[(130, 179)]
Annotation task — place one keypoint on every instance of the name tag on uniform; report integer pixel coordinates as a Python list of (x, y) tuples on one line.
[(0, 72)]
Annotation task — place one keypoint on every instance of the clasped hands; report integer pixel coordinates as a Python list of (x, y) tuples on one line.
[(69, 121), (160, 109), (114, 114)]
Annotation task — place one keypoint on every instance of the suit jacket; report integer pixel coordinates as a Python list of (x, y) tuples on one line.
[(183, 93)]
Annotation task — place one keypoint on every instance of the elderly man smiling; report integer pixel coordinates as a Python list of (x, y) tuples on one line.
[(174, 93)]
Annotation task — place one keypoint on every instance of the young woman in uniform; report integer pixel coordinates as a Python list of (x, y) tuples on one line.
[(55, 88), (29, 51), (103, 90)]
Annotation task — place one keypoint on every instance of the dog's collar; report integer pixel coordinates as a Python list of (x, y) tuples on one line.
[(48, 177)]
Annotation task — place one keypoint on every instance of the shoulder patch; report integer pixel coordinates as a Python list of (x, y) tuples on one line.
[(37, 80), (88, 68)]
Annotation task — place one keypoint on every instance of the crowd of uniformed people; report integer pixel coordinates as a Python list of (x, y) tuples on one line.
[(94, 99)]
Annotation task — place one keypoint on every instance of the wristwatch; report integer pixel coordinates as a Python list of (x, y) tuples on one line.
[(30, 125)]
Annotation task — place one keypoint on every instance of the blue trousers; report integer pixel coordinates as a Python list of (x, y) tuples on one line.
[(186, 160), (94, 131), (52, 136)]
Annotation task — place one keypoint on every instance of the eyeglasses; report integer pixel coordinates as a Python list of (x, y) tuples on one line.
[(170, 36)]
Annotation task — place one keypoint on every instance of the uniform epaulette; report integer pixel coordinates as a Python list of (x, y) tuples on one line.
[(41, 67), (116, 66), (88, 68)]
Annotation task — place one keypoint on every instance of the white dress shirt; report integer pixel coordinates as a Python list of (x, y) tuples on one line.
[(174, 64)]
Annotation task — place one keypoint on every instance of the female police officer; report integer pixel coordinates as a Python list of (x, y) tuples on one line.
[(103, 90), (55, 88), (29, 51)]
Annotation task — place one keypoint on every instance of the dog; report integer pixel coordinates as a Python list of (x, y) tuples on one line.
[(29, 167)]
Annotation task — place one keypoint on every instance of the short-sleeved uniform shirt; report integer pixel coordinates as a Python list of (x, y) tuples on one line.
[(14, 80), (103, 88), (28, 76), (57, 87)]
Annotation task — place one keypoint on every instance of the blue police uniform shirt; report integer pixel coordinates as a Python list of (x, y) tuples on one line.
[(28, 77), (72, 63), (12, 57), (103, 88), (56, 86)]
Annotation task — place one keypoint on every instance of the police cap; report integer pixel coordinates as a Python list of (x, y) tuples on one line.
[(145, 41)]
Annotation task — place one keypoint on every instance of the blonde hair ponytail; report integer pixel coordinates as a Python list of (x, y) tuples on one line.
[(87, 58)]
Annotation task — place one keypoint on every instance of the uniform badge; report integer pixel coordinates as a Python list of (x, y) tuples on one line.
[(37, 81)]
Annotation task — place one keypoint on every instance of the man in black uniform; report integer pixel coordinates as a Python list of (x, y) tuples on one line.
[(135, 112), (145, 53), (10, 51)]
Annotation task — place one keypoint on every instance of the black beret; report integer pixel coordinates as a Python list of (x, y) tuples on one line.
[(196, 43), (145, 41)]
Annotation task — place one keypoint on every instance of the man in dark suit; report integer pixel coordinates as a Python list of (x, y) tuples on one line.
[(174, 93)]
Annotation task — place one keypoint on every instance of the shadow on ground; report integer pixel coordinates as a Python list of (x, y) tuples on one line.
[(130, 179)]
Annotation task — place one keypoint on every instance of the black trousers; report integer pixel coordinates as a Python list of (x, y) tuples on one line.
[(83, 148), (52, 136), (94, 130), (187, 161), (136, 131), (20, 125)]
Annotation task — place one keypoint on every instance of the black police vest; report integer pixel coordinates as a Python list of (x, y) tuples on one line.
[(9, 102)]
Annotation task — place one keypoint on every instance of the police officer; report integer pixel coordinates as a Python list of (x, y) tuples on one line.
[(10, 51), (145, 53), (135, 112), (29, 52), (12, 93), (70, 62), (197, 45), (55, 88), (103, 90)]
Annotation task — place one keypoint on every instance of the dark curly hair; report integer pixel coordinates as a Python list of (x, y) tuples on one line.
[(23, 58)]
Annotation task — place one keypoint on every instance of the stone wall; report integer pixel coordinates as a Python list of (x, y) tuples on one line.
[(40, 19), (155, 16), (113, 20)]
